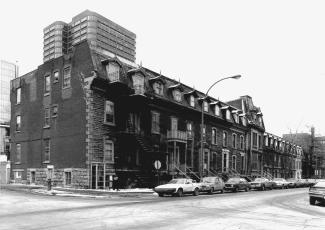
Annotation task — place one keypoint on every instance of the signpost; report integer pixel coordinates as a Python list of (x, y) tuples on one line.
[(157, 165)]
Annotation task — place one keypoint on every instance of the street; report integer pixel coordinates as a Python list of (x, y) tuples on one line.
[(275, 209)]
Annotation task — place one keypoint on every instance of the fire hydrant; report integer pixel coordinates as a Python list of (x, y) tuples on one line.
[(49, 184)]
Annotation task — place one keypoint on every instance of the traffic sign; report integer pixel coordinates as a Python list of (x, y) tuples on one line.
[(157, 164)]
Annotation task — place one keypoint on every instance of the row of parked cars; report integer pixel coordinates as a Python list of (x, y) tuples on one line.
[(180, 186)]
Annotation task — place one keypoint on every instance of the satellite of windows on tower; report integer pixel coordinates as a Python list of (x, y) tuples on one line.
[(103, 35)]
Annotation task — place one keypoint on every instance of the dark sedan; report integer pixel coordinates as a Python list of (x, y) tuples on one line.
[(262, 184), (235, 184)]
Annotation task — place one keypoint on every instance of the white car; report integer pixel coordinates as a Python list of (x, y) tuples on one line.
[(178, 187)]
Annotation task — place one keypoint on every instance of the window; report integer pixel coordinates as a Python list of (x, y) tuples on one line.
[(189, 130), (214, 136), (203, 131), (155, 122), (17, 174), (217, 110), (18, 153), (227, 114), (224, 139), (18, 124), (205, 106), (255, 140), (113, 72), (54, 110), (241, 142), (66, 77), (18, 95), (243, 120), (108, 150), (259, 141), (138, 84), (67, 178), (177, 95), (225, 160), (46, 117), (47, 84), (242, 160), (192, 101), (236, 117), (234, 162), (46, 150), (158, 88), (109, 117), (56, 75), (234, 136), (266, 141)]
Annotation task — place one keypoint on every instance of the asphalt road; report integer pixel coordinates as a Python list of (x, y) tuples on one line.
[(276, 209)]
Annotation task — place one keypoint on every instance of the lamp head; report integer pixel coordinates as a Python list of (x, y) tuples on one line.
[(236, 77)]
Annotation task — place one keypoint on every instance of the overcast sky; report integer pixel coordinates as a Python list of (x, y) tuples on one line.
[(277, 46)]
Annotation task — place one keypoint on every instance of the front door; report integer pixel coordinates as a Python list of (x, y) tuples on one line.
[(97, 176)]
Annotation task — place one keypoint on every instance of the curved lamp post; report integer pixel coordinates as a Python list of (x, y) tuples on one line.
[(201, 155)]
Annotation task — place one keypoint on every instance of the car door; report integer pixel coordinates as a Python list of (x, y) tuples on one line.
[(188, 185)]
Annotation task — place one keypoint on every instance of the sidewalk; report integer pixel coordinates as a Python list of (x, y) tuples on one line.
[(73, 192)]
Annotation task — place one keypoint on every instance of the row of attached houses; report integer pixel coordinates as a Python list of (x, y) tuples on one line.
[(89, 120)]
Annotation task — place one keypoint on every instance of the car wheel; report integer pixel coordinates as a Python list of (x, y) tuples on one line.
[(246, 189), (271, 187), (160, 194), (312, 200), (222, 191), (236, 189), (263, 188), (211, 191), (179, 192), (282, 187), (196, 192)]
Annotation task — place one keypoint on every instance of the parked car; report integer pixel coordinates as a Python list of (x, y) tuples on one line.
[(280, 183), (301, 183), (317, 193), (211, 184), (178, 187), (292, 183), (236, 183), (262, 183)]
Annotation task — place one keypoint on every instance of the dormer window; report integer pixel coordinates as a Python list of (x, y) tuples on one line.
[(138, 83), (192, 101), (158, 87), (177, 95), (227, 114), (113, 72), (205, 106), (236, 117)]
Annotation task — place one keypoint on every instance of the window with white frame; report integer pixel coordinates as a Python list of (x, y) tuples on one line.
[(155, 122), (217, 110), (47, 84), (46, 117), (108, 150), (189, 130), (228, 114), (234, 140), (205, 106), (234, 158), (266, 141), (224, 139), (46, 149), (214, 136), (18, 153), (18, 123), (241, 142), (66, 77), (109, 117), (177, 95), (158, 88), (192, 101), (236, 117), (18, 95)]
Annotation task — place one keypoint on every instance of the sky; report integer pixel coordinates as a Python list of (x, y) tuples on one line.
[(277, 46)]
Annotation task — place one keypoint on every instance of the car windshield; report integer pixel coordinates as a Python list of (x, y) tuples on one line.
[(259, 180), (177, 181), (320, 184), (208, 179), (233, 180)]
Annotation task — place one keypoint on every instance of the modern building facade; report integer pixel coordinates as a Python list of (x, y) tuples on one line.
[(102, 34)]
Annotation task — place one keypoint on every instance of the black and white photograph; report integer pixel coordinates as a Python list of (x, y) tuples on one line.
[(174, 114)]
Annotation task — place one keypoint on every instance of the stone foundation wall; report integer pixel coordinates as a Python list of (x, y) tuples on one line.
[(79, 177)]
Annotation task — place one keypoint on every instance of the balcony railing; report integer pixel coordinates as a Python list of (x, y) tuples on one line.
[(176, 135)]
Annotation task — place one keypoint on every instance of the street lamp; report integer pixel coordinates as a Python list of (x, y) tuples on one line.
[(201, 162)]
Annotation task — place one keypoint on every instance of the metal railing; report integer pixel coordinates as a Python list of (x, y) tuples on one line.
[(177, 135)]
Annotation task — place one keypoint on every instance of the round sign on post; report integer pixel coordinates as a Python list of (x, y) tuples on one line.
[(157, 164)]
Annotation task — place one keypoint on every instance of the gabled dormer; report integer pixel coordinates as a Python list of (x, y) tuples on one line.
[(204, 102), (216, 108), (137, 77), (226, 112), (114, 69), (176, 92), (191, 97), (158, 85)]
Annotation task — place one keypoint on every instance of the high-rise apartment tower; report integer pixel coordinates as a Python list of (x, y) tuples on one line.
[(102, 34)]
